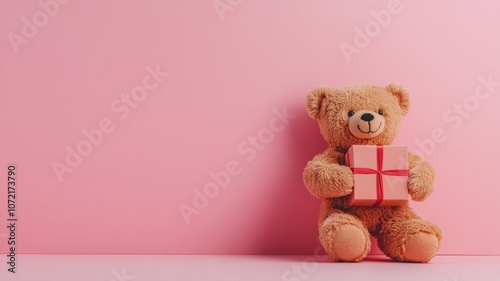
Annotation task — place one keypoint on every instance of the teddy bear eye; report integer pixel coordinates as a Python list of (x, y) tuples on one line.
[(380, 112), (350, 113)]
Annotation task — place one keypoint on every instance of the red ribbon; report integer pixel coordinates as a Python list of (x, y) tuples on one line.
[(380, 173)]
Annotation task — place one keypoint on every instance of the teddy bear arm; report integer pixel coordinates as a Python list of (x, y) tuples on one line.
[(326, 179), (421, 177)]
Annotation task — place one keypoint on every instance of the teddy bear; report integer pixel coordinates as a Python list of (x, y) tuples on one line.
[(366, 115)]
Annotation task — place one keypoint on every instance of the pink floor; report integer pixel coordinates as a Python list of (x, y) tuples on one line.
[(237, 268)]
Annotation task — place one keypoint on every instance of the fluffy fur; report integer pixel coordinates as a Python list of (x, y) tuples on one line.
[(345, 231)]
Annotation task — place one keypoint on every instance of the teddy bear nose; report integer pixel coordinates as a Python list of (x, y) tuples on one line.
[(367, 117)]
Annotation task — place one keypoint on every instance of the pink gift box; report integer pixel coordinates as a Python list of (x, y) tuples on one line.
[(380, 175)]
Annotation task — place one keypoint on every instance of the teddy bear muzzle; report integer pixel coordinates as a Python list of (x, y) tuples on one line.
[(366, 124)]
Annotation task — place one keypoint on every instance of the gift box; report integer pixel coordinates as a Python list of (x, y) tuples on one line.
[(380, 175)]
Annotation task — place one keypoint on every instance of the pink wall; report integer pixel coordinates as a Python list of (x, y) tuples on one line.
[(234, 74)]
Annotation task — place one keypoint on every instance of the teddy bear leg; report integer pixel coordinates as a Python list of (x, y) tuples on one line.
[(406, 237), (344, 237)]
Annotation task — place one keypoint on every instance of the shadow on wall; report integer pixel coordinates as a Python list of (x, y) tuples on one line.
[(289, 225)]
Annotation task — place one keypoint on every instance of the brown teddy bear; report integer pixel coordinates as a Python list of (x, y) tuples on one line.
[(366, 115)]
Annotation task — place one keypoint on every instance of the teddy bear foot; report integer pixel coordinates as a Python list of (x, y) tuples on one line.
[(413, 240), (420, 247), (347, 242)]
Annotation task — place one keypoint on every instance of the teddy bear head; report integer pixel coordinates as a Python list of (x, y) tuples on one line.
[(360, 114)]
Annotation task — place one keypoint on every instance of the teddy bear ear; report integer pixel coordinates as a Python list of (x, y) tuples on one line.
[(401, 94), (315, 100)]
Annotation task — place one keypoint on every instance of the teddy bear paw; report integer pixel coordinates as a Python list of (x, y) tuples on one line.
[(347, 243), (421, 247)]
